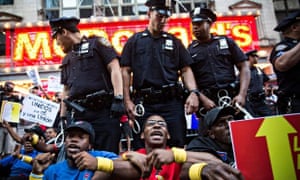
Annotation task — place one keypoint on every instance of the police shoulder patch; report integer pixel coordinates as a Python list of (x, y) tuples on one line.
[(104, 42), (281, 47)]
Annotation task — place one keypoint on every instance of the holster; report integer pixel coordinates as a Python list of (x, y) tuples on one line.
[(153, 95), (95, 101)]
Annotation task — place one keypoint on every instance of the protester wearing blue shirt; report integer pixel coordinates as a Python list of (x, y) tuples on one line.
[(78, 144), (19, 168)]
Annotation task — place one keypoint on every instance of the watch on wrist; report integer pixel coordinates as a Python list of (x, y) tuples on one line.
[(196, 91), (119, 97)]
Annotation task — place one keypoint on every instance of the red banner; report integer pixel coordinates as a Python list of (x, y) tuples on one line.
[(268, 148), (33, 45)]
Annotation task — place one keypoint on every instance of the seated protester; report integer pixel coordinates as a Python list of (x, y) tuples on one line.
[(78, 145), (19, 162), (216, 141), (156, 160), (155, 135)]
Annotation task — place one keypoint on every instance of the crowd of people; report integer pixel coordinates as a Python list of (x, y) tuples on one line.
[(149, 89)]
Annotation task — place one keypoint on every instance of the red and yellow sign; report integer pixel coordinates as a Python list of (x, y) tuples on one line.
[(268, 148), (34, 46)]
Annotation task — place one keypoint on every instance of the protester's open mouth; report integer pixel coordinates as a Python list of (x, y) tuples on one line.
[(158, 134), (72, 148)]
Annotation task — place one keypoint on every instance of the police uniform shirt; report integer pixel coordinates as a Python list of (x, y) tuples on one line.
[(154, 61), (258, 78), (213, 62), (288, 81), (87, 72)]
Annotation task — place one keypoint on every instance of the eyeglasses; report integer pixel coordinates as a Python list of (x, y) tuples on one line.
[(151, 122)]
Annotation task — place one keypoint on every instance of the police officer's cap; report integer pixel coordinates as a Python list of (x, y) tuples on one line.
[(202, 14), (287, 21), (163, 7), (251, 53), (69, 23)]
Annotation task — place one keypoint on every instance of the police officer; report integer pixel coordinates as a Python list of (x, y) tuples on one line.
[(256, 105), (155, 58), (214, 58), (285, 58), (92, 79)]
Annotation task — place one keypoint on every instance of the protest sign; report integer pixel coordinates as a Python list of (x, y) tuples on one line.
[(10, 111), (33, 74), (54, 84), (267, 148), (39, 110)]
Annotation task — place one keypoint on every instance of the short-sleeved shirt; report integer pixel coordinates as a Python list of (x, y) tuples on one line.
[(206, 144), (213, 62), (62, 170), (168, 171), (288, 81), (87, 73), (154, 61)]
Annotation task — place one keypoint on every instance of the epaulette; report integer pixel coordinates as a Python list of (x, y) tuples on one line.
[(104, 42), (194, 43)]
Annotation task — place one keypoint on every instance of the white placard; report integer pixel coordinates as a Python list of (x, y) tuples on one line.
[(33, 74), (39, 110), (54, 84), (10, 111)]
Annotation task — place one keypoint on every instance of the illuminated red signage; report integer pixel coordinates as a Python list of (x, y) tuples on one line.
[(34, 46)]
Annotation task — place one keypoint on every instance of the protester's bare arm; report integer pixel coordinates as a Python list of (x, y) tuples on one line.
[(194, 157), (40, 145), (121, 169), (140, 161), (158, 157), (213, 170), (12, 133), (41, 162)]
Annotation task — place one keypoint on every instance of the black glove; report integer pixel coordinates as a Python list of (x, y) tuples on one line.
[(117, 107)]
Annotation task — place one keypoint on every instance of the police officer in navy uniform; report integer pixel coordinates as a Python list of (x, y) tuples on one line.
[(214, 59), (256, 97), (285, 58), (92, 80), (156, 59)]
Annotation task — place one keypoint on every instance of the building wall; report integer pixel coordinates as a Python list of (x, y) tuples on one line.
[(28, 9), (265, 23)]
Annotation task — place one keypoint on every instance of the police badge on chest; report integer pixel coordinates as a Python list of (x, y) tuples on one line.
[(81, 49), (169, 45)]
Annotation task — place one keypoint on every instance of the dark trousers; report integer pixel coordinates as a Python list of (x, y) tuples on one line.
[(107, 128), (173, 113), (288, 105), (258, 108)]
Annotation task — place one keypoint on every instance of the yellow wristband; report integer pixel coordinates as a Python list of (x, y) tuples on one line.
[(104, 164), (124, 156), (26, 159), (36, 176), (35, 139), (179, 155), (196, 170)]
